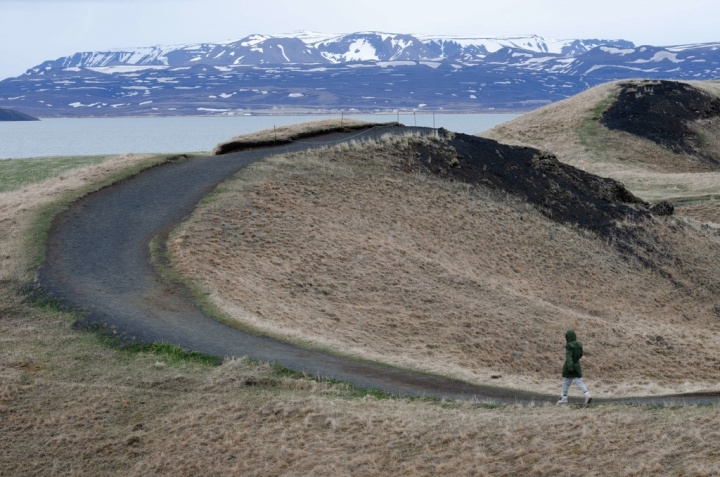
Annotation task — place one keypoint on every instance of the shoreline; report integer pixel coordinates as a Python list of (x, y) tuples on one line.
[(180, 134), (291, 114)]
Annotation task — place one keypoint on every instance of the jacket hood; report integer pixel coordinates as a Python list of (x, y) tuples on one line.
[(570, 336)]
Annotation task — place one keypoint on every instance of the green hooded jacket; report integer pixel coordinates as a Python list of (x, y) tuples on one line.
[(573, 353)]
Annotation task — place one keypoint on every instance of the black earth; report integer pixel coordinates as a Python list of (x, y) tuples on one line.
[(662, 111), (560, 191)]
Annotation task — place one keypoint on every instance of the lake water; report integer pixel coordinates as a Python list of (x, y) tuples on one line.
[(94, 136)]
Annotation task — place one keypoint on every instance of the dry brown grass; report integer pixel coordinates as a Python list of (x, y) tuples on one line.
[(570, 130), (706, 212), (292, 132), (75, 408), (71, 406), (710, 87), (318, 436), (340, 250)]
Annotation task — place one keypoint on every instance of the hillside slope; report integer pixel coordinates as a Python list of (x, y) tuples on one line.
[(660, 138), (464, 257)]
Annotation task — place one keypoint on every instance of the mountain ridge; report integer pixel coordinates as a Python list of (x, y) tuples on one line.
[(313, 47), (358, 72)]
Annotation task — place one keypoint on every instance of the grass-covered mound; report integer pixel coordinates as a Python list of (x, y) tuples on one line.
[(463, 257), (661, 139)]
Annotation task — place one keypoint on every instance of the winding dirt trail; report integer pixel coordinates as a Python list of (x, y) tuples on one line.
[(98, 260)]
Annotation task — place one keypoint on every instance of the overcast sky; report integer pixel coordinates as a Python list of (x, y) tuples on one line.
[(32, 31)]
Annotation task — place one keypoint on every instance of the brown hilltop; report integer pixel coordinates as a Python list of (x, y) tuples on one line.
[(659, 138), (460, 256)]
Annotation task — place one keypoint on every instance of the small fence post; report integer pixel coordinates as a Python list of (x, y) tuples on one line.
[(275, 130)]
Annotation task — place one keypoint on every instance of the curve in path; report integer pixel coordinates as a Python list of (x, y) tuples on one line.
[(98, 259)]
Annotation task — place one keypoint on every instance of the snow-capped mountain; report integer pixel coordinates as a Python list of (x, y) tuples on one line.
[(311, 47), (367, 71)]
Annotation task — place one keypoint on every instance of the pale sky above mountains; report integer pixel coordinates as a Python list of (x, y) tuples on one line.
[(36, 30)]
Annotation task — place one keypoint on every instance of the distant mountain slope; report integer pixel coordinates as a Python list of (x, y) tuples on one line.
[(11, 115), (367, 71)]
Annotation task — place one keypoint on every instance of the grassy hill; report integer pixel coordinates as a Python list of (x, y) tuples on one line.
[(660, 138), (464, 257)]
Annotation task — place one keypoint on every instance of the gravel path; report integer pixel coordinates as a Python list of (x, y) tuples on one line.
[(98, 259)]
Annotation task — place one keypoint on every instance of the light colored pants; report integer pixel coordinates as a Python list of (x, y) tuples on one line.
[(566, 382)]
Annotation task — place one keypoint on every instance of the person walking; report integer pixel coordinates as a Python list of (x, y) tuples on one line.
[(571, 369)]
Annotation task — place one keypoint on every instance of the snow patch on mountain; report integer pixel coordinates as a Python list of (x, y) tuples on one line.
[(358, 50), (123, 68), (692, 46), (661, 55), (617, 51)]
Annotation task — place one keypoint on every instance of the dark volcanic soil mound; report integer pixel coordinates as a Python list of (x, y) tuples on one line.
[(562, 192), (662, 112)]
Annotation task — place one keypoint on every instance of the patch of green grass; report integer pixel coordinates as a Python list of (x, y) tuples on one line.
[(173, 353), (18, 173), (109, 337), (591, 125), (35, 295)]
